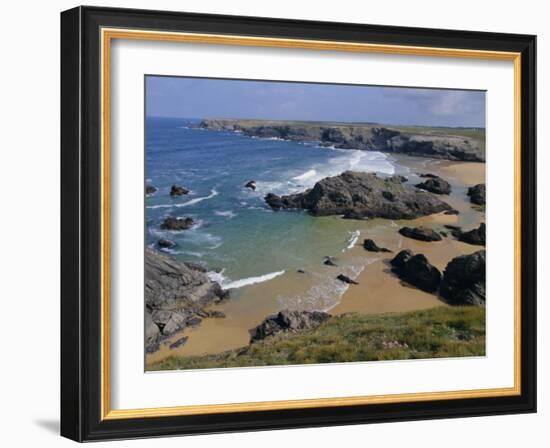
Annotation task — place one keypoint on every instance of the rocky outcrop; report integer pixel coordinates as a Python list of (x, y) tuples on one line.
[(371, 246), (435, 184), (474, 236), (464, 280), (346, 279), (420, 233), (418, 141), (287, 321), (329, 261), (150, 189), (177, 224), (477, 194), (175, 295), (177, 190), (359, 195), (251, 184), (416, 270)]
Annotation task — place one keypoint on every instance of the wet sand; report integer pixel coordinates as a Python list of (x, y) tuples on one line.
[(379, 290)]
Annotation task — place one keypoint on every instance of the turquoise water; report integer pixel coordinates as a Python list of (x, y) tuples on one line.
[(235, 233)]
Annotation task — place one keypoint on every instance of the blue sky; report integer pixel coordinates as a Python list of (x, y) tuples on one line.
[(208, 98)]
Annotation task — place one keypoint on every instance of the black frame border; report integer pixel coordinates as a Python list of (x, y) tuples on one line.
[(81, 223)]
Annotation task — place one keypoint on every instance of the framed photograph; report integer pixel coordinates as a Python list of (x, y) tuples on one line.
[(276, 224)]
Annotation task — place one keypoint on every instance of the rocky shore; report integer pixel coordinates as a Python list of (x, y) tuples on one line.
[(176, 297), (442, 143)]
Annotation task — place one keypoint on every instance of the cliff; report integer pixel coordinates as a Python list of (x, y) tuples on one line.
[(465, 144)]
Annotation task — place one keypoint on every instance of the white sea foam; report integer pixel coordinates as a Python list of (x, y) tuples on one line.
[(354, 236), (212, 194), (225, 213), (228, 284), (308, 174)]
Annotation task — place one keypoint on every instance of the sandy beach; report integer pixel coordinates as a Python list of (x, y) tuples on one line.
[(378, 291)]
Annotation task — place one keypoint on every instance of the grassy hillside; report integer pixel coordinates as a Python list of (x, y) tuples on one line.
[(435, 333)]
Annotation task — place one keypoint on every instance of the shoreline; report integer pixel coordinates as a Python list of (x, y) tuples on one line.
[(379, 291)]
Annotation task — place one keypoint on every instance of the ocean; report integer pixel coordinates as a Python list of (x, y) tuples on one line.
[(236, 235)]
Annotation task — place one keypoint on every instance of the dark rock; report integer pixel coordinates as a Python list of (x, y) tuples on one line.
[(215, 314), (346, 279), (464, 280), (427, 175), (452, 212), (177, 190), (287, 321), (329, 261), (251, 184), (362, 195), (477, 194), (178, 224), (420, 233), (371, 246), (175, 295), (401, 258), (179, 342), (474, 236), (150, 189), (443, 233), (300, 271), (165, 244), (416, 270), (193, 321), (435, 184), (452, 227)]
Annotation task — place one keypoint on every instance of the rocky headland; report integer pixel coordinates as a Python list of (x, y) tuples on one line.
[(463, 144), (176, 295)]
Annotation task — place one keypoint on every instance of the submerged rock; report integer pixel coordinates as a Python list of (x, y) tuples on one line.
[(361, 195), (371, 246), (251, 184), (420, 233), (285, 321), (464, 280), (177, 190), (477, 194), (165, 244), (329, 261), (416, 270), (178, 224), (435, 184), (346, 279), (150, 189)]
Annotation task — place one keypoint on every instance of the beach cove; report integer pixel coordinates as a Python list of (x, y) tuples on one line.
[(281, 252)]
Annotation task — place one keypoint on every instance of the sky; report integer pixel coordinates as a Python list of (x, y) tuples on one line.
[(218, 98)]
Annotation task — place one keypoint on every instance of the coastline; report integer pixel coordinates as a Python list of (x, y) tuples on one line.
[(379, 291)]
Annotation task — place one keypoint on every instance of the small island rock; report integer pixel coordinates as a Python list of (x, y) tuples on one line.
[(178, 224), (177, 190)]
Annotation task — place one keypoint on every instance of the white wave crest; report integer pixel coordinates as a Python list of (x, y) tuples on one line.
[(225, 213), (354, 236), (308, 174), (225, 283), (212, 194)]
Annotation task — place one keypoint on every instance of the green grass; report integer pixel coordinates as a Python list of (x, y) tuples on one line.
[(436, 333)]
